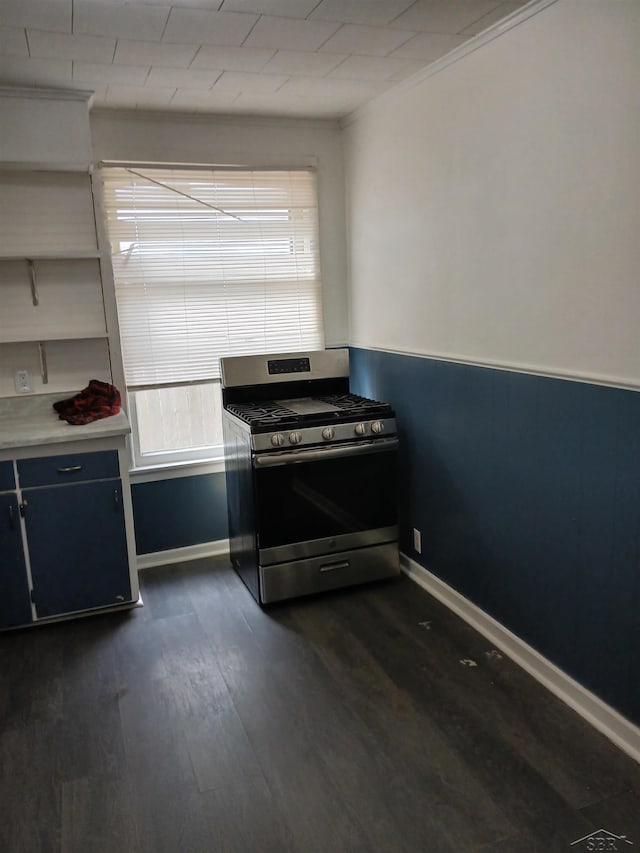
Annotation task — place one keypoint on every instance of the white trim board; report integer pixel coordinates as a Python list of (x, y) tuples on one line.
[(46, 93), (181, 555), (601, 716), (622, 382)]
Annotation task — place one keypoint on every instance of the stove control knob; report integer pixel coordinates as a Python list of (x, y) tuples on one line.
[(277, 439), (295, 437), (377, 427), (360, 429), (328, 433)]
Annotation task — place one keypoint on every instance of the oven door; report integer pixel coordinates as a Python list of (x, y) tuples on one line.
[(325, 500)]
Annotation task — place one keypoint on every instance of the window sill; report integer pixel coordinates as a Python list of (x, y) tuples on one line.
[(174, 470)]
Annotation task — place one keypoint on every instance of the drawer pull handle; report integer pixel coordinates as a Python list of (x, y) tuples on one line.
[(116, 498), (70, 470), (331, 567), (12, 523)]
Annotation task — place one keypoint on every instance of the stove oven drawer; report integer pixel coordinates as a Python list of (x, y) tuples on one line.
[(332, 571)]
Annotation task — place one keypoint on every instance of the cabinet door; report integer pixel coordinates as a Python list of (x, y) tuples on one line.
[(6, 477), (77, 547), (15, 605)]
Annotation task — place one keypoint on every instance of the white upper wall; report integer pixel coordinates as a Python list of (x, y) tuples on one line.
[(494, 207), (171, 138)]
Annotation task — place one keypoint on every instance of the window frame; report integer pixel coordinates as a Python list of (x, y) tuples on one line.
[(160, 460), (153, 466)]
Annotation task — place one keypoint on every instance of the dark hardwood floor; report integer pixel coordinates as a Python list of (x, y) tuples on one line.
[(200, 723)]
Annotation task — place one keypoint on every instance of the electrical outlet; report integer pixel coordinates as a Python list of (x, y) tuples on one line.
[(417, 540), (22, 382)]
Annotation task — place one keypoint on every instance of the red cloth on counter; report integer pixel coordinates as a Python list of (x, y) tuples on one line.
[(98, 400)]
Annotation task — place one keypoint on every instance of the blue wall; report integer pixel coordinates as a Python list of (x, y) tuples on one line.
[(527, 493), (176, 513)]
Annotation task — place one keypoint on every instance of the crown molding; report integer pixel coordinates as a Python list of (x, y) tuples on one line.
[(214, 118), (494, 31), (46, 94)]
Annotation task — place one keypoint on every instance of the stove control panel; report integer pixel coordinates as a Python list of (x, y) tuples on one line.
[(288, 365), (323, 435)]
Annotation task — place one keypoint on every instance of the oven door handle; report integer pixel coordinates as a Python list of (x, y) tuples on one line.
[(319, 454)]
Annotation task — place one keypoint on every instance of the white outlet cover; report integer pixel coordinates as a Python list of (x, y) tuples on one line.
[(22, 382), (417, 540)]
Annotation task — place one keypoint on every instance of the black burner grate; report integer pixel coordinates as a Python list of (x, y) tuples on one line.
[(272, 413)]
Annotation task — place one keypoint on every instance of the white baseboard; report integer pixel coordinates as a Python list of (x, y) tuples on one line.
[(601, 716), (181, 555)]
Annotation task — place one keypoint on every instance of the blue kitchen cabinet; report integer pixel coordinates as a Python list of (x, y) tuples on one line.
[(68, 468), (6, 477), (77, 546), (15, 603)]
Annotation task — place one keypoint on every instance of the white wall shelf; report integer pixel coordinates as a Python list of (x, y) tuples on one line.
[(52, 322), (61, 336), (52, 256), (26, 166)]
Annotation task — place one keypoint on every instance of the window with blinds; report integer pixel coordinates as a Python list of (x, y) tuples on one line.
[(207, 263)]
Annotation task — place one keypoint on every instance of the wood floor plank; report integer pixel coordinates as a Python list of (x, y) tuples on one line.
[(430, 790), (31, 663), (165, 593), (301, 784), (169, 811), (84, 747), (551, 739), (202, 723), (30, 792), (619, 813), (138, 649), (98, 816), (215, 737), (219, 607), (243, 816), (292, 732), (524, 795), (373, 788)]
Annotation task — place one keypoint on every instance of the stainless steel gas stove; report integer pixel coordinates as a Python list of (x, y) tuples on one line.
[(311, 475)]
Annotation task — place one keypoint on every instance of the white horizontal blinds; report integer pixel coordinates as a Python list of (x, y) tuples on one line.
[(46, 213), (211, 263)]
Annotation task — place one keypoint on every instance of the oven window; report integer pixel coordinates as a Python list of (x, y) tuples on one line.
[(314, 500)]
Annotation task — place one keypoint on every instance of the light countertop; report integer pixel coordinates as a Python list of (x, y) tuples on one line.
[(32, 420)]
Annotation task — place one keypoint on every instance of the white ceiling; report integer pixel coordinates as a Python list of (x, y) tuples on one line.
[(307, 58)]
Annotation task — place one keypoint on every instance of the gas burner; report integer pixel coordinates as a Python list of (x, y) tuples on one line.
[(328, 408), (355, 405), (268, 413)]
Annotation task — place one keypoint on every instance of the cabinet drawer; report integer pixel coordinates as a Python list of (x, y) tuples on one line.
[(6, 477), (47, 470)]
